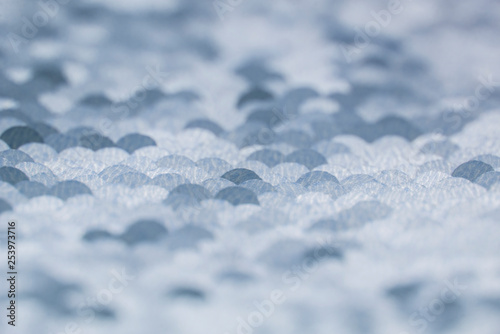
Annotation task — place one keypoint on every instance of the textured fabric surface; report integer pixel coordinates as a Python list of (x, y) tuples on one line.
[(252, 166)]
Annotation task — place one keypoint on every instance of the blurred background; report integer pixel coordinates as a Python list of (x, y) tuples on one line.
[(121, 93)]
